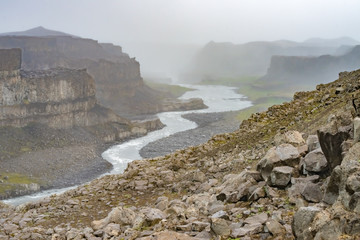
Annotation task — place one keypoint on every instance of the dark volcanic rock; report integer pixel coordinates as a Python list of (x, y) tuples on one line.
[(282, 155), (331, 137), (315, 161)]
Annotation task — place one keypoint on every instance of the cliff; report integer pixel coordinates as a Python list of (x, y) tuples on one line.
[(59, 98), (253, 58), (118, 81), (44, 113), (297, 70)]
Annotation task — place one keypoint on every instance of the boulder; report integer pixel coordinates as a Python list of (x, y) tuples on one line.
[(302, 221), (119, 215), (298, 185), (220, 227), (198, 226), (259, 192), (122, 216), (356, 129), (291, 137), (275, 228), (331, 136), (152, 215), (344, 179), (281, 176), (312, 142), (215, 206), (162, 203), (258, 218), (220, 214), (315, 161), (332, 188), (235, 187), (312, 192), (354, 203), (282, 155), (247, 230), (324, 228), (112, 229)]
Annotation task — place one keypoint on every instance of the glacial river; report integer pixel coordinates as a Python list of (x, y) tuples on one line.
[(217, 98)]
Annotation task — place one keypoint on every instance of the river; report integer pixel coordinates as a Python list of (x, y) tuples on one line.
[(217, 98)]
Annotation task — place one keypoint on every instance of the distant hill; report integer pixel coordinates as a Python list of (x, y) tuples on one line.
[(253, 58), (336, 42), (37, 32), (309, 71)]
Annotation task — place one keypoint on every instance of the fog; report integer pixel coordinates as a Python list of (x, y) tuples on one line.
[(164, 35)]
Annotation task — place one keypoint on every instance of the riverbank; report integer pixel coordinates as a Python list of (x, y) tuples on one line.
[(209, 124), (37, 157)]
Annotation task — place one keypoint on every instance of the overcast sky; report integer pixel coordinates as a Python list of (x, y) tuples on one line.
[(186, 21), (165, 35)]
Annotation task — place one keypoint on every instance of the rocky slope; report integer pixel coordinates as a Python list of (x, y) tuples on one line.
[(46, 113), (119, 85), (263, 181)]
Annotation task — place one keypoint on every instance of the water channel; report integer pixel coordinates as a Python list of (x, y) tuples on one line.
[(217, 98)]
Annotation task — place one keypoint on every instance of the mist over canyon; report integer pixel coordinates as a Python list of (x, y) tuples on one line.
[(192, 120)]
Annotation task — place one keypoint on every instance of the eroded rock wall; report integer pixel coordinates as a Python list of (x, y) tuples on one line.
[(59, 98), (119, 85), (305, 70)]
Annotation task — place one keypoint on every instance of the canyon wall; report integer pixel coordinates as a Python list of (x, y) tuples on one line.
[(118, 82), (310, 70), (59, 98)]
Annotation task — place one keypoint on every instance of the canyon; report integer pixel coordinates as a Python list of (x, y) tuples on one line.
[(46, 112), (118, 81), (290, 172)]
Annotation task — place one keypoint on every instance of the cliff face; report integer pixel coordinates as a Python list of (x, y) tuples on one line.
[(249, 59), (59, 98), (117, 76), (310, 70), (46, 113)]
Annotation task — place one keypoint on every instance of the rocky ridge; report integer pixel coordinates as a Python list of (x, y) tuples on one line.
[(263, 181)]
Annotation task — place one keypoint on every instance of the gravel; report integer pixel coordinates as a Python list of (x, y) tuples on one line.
[(209, 124), (60, 167)]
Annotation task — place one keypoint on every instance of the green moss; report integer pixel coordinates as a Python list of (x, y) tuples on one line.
[(12, 181), (25, 149)]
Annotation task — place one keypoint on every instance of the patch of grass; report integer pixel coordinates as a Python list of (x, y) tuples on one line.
[(258, 107), (16, 178), (11, 181), (174, 90), (25, 149), (228, 81)]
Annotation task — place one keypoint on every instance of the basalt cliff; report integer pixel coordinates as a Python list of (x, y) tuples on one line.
[(118, 81), (307, 71), (253, 59), (291, 172), (46, 113)]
